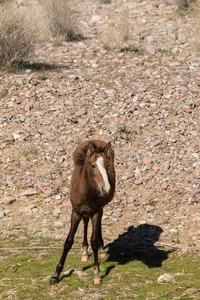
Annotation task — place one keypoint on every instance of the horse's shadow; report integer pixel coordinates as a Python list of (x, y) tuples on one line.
[(137, 243)]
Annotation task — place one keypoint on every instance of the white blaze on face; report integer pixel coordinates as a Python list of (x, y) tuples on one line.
[(103, 172)]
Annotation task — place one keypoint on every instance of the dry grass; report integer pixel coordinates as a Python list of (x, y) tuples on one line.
[(185, 4), (18, 35), (116, 36), (59, 17)]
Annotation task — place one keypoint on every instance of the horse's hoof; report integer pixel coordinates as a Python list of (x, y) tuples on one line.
[(102, 255), (84, 258), (97, 281), (54, 280)]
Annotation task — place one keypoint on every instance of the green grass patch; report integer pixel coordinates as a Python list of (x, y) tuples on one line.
[(128, 272)]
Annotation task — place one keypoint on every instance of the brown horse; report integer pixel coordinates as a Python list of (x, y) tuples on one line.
[(92, 187)]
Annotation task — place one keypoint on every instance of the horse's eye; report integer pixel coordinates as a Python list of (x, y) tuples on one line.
[(93, 166)]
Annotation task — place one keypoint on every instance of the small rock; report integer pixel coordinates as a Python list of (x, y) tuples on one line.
[(7, 138), (157, 142), (165, 278), (138, 182), (56, 212), (30, 192), (2, 214), (114, 219), (149, 208), (187, 110), (196, 155), (28, 209), (35, 82), (81, 112), (164, 186), (58, 197), (8, 200), (16, 136), (28, 107), (166, 165), (147, 161), (150, 49), (145, 122), (95, 19), (58, 224), (117, 214), (175, 50), (174, 113)]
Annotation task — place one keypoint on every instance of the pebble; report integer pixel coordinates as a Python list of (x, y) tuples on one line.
[(165, 278), (28, 209), (2, 213), (95, 19), (56, 212), (30, 192), (8, 200), (117, 214), (150, 49), (81, 112), (58, 224)]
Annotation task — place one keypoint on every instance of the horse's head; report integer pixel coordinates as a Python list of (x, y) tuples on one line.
[(99, 164)]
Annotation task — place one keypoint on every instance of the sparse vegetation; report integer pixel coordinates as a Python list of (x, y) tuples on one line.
[(185, 4), (116, 36), (18, 35), (25, 274), (60, 20)]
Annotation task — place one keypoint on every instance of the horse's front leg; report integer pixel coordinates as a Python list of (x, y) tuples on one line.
[(75, 220), (85, 256), (96, 219)]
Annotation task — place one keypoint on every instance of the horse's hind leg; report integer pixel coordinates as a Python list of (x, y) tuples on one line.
[(85, 256), (102, 253), (96, 219), (75, 220)]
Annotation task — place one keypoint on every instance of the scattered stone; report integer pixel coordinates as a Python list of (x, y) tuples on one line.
[(81, 112), (30, 192), (28, 209), (8, 200), (2, 213), (147, 161), (58, 197), (174, 113), (187, 110), (58, 224), (138, 182), (117, 214), (150, 49), (157, 142), (56, 212), (95, 19), (165, 278)]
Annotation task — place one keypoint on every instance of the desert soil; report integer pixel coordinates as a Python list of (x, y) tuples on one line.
[(145, 100)]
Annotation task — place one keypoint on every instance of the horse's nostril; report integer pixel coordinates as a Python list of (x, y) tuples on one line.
[(104, 191)]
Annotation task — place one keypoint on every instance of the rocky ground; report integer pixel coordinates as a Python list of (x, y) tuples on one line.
[(145, 101)]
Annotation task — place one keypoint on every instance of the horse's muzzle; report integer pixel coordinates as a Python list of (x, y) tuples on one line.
[(103, 191)]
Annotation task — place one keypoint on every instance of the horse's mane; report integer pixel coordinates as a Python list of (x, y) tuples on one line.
[(79, 154)]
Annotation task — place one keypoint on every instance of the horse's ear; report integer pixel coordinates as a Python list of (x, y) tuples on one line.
[(109, 151), (90, 149)]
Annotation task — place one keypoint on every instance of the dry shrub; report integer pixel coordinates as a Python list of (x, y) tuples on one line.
[(60, 20), (18, 35), (185, 4), (105, 1), (116, 36)]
